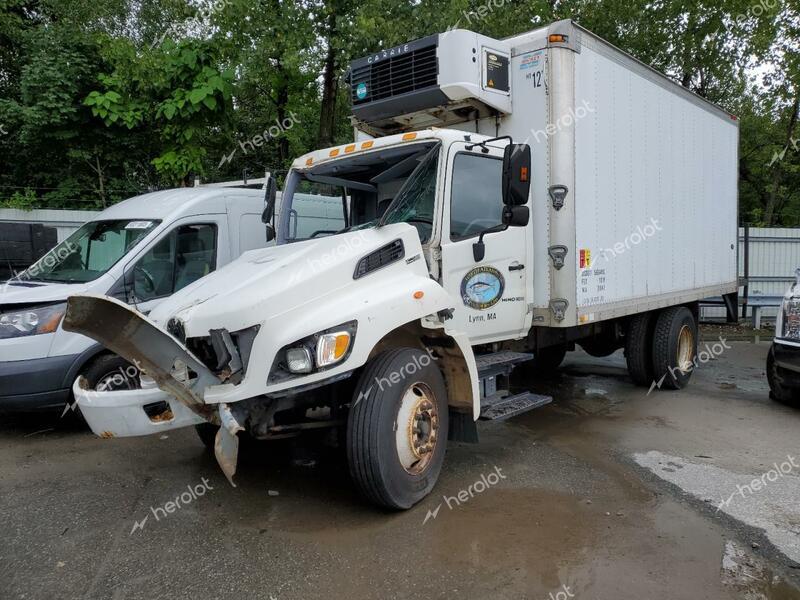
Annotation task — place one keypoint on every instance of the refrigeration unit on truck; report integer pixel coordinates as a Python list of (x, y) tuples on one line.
[(504, 200)]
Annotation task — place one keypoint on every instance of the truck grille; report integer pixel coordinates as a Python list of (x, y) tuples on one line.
[(397, 75)]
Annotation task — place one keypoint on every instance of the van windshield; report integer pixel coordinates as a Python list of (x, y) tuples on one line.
[(89, 252)]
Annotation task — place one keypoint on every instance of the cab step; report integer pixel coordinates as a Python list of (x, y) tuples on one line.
[(501, 408), (497, 402)]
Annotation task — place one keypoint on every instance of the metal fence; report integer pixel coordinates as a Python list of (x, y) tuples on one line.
[(65, 221), (768, 258)]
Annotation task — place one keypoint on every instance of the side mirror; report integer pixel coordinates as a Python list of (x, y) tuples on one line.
[(271, 192), (516, 216), (270, 232), (516, 174)]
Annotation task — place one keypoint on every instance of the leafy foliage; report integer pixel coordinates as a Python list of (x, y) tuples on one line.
[(102, 99)]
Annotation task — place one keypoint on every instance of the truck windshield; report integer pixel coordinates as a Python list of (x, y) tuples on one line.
[(89, 252), (352, 192), (414, 203)]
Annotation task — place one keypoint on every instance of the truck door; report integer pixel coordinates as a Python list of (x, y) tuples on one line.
[(492, 293)]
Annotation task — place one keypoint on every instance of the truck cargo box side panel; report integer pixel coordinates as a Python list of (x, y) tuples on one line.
[(656, 188)]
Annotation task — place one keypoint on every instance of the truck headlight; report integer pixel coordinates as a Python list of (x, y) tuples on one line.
[(31, 321), (298, 360), (790, 312), (332, 347), (315, 353)]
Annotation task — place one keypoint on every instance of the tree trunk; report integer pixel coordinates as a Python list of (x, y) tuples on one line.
[(327, 116)]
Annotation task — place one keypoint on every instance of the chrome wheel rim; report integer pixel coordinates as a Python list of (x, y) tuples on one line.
[(685, 349)]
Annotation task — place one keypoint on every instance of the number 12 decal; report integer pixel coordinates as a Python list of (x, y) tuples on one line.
[(536, 78)]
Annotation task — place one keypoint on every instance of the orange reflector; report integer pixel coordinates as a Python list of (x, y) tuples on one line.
[(523, 174), (309, 162), (558, 38), (367, 145), (342, 344), (334, 152), (350, 148), (409, 136), (419, 295)]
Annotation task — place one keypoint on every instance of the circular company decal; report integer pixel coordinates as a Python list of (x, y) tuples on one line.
[(482, 287), (361, 91)]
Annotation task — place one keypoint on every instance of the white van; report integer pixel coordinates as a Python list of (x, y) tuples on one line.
[(139, 251)]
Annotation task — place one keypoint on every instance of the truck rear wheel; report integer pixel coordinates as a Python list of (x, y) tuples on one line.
[(639, 348), (674, 347), (397, 428)]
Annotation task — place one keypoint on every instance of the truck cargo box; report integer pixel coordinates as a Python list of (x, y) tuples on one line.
[(634, 195)]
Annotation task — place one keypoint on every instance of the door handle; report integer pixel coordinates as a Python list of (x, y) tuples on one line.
[(516, 267)]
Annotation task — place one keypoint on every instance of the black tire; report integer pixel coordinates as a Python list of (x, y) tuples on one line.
[(672, 363), (207, 433), (372, 428), (779, 390), (547, 360), (639, 348), (113, 373), (599, 347)]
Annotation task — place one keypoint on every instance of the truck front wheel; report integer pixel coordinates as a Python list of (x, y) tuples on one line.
[(674, 347), (397, 428)]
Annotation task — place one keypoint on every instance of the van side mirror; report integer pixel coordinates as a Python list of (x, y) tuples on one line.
[(270, 232), (516, 174)]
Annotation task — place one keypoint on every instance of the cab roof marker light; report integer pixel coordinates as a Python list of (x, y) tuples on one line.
[(367, 145), (334, 153), (350, 148), (409, 136)]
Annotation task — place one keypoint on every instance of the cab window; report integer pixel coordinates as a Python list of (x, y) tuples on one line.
[(477, 199), (182, 257)]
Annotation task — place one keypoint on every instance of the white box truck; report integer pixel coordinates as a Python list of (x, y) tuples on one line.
[(504, 201)]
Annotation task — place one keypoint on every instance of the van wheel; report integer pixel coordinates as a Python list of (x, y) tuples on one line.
[(674, 347), (778, 388), (397, 428), (110, 372), (639, 348)]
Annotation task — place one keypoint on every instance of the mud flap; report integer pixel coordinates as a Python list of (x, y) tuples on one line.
[(138, 340), (226, 444)]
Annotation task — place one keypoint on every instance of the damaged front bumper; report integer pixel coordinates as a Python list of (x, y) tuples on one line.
[(179, 398), (129, 413)]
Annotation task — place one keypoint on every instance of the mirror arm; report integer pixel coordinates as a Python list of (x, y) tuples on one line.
[(479, 247)]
